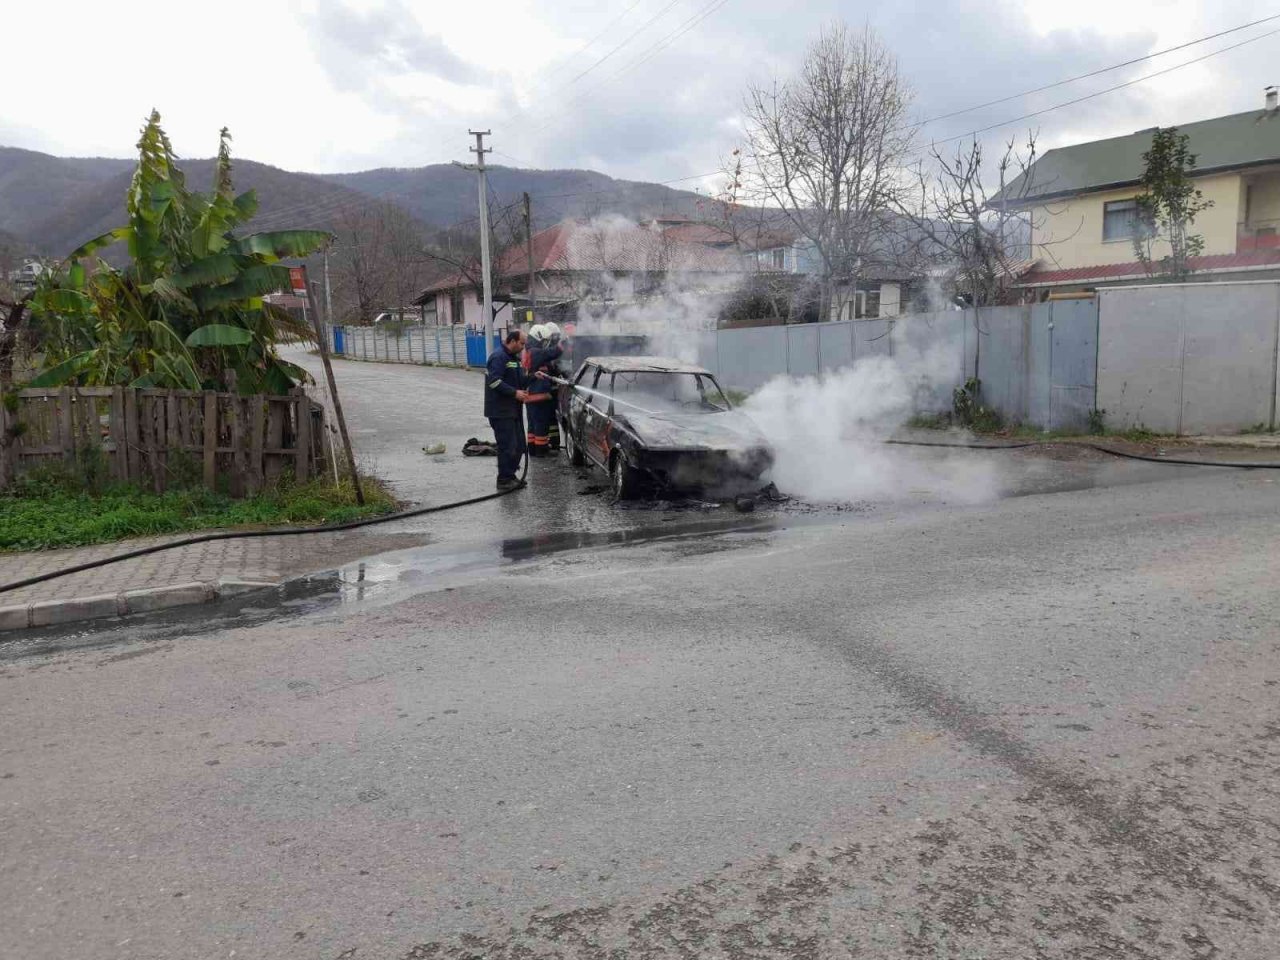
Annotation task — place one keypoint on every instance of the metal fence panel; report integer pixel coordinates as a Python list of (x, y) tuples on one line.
[(1072, 327), (1229, 358), (1140, 357), (750, 358), (1003, 358), (802, 350), (835, 345), (872, 338)]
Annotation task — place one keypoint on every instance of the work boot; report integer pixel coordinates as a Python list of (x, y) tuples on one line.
[(507, 483)]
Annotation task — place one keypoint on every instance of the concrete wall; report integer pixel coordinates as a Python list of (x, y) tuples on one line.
[(1189, 358), (1068, 233)]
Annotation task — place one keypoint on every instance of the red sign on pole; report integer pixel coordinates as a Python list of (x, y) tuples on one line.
[(298, 281)]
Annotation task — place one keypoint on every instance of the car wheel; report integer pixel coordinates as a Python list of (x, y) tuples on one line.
[(624, 479), (571, 448)]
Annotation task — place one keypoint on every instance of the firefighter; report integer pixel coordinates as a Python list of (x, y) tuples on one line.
[(504, 399), (544, 351)]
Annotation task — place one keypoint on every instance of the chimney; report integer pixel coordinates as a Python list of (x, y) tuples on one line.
[(1271, 99)]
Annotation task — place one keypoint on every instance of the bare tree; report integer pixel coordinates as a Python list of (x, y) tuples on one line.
[(455, 250), (829, 149), (378, 261), (977, 235)]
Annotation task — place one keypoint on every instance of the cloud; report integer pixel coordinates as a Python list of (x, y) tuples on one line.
[(399, 82), (362, 51)]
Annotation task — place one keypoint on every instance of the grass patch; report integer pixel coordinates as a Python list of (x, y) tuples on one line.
[(1257, 428), (44, 516)]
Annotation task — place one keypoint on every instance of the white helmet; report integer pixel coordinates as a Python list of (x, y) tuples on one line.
[(550, 331), (538, 332)]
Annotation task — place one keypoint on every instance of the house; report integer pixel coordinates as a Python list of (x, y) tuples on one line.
[(1081, 204), (28, 275), (595, 267), (784, 258)]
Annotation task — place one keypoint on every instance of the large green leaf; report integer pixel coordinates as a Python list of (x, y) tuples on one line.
[(254, 281), (166, 290), (246, 204), (61, 373), (179, 371), (215, 269), (219, 335), (284, 243), (62, 300), (97, 243)]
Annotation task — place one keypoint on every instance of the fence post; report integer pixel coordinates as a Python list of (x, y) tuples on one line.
[(66, 432), (302, 435), (210, 439), (147, 406), (174, 442), (238, 452), (132, 440), (6, 444), (257, 427)]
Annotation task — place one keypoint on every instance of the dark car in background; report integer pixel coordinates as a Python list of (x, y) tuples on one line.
[(656, 423)]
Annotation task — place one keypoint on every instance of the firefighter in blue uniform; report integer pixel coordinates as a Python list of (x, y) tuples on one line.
[(504, 399), (544, 351)]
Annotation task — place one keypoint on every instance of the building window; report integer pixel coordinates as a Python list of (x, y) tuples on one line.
[(779, 259), (1121, 220)]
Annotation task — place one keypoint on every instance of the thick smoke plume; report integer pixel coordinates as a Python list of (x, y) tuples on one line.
[(828, 431)]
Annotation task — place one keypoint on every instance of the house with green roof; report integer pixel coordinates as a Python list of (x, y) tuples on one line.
[(1080, 201)]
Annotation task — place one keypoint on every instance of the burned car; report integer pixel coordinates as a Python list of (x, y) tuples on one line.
[(651, 422)]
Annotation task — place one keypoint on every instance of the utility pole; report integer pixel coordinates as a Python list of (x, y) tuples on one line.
[(328, 292), (528, 247), (322, 340), (480, 151)]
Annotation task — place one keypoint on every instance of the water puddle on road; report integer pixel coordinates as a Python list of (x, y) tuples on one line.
[(389, 577)]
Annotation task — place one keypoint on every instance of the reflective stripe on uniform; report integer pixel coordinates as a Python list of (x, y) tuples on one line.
[(493, 384)]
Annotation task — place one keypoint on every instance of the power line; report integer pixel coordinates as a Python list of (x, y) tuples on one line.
[(650, 52), (670, 38), (634, 33), (1098, 72), (1113, 89)]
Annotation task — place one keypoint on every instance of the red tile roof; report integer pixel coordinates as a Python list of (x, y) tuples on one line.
[(607, 245), (1215, 263)]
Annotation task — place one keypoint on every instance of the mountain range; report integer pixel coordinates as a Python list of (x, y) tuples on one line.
[(50, 205)]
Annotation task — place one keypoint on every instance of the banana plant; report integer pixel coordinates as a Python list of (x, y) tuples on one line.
[(189, 306)]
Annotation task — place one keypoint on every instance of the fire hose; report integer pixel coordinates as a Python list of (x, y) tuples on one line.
[(277, 532)]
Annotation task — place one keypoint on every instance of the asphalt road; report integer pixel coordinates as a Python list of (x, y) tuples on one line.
[(1040, 727)]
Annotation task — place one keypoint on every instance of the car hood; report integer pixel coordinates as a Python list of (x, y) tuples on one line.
[(700, 431)]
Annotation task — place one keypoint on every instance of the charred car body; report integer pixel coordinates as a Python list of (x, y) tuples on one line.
[(654, 422)]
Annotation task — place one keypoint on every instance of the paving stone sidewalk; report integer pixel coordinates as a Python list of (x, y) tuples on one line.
[(259, 559)]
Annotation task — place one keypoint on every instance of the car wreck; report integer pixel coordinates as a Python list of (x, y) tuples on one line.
[(656, 424)]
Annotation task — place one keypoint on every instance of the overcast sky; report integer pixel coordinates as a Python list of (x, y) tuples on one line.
[(336, 86)]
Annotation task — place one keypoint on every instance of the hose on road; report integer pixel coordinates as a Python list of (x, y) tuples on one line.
[(439, 508), (1092, 445), (249, 534)]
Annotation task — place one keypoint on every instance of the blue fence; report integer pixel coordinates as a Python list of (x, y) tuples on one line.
[(476, 353)]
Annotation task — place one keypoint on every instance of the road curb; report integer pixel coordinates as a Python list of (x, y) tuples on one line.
[(45, 613)]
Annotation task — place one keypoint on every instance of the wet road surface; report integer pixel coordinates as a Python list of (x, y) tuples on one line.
[(1044, 726)]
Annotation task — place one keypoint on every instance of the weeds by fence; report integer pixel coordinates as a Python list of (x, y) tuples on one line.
[(161, 438)]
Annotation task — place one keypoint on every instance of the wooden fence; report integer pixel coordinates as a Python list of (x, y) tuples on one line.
[(160, 438)]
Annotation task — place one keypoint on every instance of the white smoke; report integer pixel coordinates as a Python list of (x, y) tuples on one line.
[(674, 314), (828, 432)]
